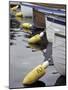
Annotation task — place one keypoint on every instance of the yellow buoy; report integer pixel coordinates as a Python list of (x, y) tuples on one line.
[(26, 25), (35, 38), (20, 19), (35, 74), (19, 14), (14, 8)]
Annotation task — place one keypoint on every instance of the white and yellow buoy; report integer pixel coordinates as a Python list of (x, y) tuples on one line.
[(36, 38), (35, 74), (26, 25), (14, 8)]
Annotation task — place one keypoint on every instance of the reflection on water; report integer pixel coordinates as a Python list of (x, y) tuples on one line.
[(61, 81), (11, 30), (18, 35), (36, 84), (12, 36), (14, 23), (27, 31)]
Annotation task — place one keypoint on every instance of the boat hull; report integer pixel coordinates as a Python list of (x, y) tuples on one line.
[(59, 53)]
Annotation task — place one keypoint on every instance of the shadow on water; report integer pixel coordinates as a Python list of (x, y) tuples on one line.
[(27, 36), (11, 43), (36, 84), (61, 81)]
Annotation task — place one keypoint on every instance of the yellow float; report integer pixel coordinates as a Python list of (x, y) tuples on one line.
[(36, 38), (19, 14), (35, 74), (20, 19), (26, 25)]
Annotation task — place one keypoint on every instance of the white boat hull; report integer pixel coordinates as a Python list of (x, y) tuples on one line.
[(58, 47), (52, 28), (58, 52)]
